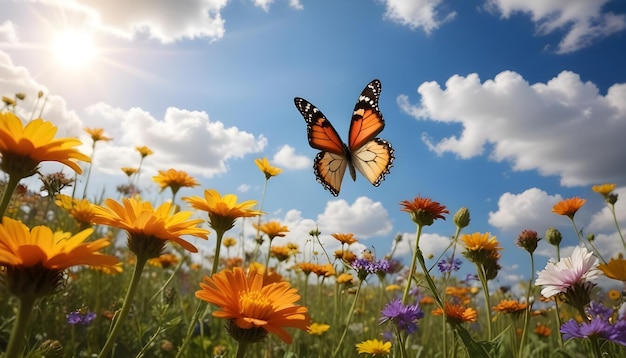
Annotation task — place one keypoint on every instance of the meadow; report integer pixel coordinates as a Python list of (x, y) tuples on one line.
[(120, 277)]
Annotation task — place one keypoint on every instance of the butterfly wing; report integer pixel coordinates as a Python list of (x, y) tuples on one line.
[(374, 159), (367, 121), (330, 164)]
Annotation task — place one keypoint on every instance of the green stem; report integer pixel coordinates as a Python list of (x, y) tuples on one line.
[(528, 307), (348, 319), (93, 150), (400, 343), (241, 349), (407, 288), (619, 231), (8, 193), (14, 348), (130, 294), (218, 246), (483, 281)]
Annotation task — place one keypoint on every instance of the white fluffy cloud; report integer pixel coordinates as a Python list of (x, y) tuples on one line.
[(187, 140), (265, 4), (8, 33), (603, 220), (422, 14), (364, 218), (530, 210), (561, 127), (583, 21), (432, 245), (286, 157), (164, 20)]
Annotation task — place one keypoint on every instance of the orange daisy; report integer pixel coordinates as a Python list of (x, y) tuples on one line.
[(604, 189), (568, 207), (267, 169), (457, 314), (249, 305), (97, 134), (174, 179), (424, 211), (510, 306), (272, 229), (223, 211), (615, 269), (348, 238), (144, 151)]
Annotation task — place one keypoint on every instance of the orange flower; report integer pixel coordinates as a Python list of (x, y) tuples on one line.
[(317, 329), (542, 330), (97, 134), (568, 207), (345, 278), (149, 228), (164, 261), (267, 169), (80, 209), (281, 253), (614, 295), (272, 229), (604, 189), (24, 147), (457, 314), (307, 267), (510, 306), (144, 151), (223, 211), (249, 305), (229, 242), (174, 179), (129, 171), (34, 260), (615, 269), (424, 211), (345, 238)]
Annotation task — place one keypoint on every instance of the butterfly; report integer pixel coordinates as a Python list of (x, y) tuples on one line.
[(371, 156)]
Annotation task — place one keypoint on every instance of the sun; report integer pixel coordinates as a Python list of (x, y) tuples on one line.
[(74, 49)]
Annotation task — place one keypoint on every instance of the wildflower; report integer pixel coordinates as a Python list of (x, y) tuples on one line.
[(597, 327), (317, 329), (229, 242), (250, 306), (348, 238), (392, 287), (450, 264), (144, 151), (97, 134), (528, 240), (129, 171), (365, 267), (461, 218), (281, 253), (404, 317), (346, 278), (615, 268), (614, 295), (604, 189), (568, 207), (24, 147), (164, 260), (510, 306), (80, 209), (553, 236), (457, 314), (223, 211), (53, 183), (481, 247), (346, 255), (542, 330), (373, 347), (424, 211), (306, 267), (272, 229), (148, 228), (174, 179), (34, 260), (267, 169), (78, 317)]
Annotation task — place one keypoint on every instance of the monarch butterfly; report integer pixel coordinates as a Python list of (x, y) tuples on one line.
[(373, 157)]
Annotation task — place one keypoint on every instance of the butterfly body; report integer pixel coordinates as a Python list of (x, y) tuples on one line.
[(371, 156)]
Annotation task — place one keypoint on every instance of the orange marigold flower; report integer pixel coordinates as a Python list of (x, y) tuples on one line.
[(229, 241), (249, 305), (33, 261), (457, 314), (326, 270), (615, 269), (267, 169), (80, 209), (424, 211), (345, 278), (24, 147), (568, 207), (148, 228), (144, 151), (345, 255), (223, 211), (272, 229), (604, 189), (164, 261), (174, 179), (542, 330), (281, 253), (130, 171), (97, 134), (615, 295), (510, 306), (481, 248), (306, 267), (348, 238)]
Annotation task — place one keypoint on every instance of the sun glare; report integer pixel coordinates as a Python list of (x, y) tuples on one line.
[(74, 49)]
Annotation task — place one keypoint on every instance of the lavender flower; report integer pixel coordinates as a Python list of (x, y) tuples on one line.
[(77, 317), (404, 317), (450, 264), (364, 267)]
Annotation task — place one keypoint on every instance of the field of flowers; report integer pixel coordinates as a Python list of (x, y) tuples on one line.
[(121, 278)]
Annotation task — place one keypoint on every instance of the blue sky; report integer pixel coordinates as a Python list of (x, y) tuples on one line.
[(502, 106)]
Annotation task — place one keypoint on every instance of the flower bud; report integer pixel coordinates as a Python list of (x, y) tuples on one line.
[(591, 237), (611, 198), (528, 240), (462, 218), (553, 236)]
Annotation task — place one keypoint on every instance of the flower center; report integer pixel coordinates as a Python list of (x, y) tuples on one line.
[(255, 305)]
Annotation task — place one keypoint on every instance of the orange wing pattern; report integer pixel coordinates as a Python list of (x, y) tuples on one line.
[(372, 157)]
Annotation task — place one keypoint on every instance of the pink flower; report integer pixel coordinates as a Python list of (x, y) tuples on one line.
[(578, 269)]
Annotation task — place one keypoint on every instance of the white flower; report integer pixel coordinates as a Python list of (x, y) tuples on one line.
[(576, 269)]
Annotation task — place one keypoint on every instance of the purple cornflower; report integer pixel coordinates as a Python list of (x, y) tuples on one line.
[(404, 317), (450, 264), (365, 267), (77, 317), (597, 309)]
